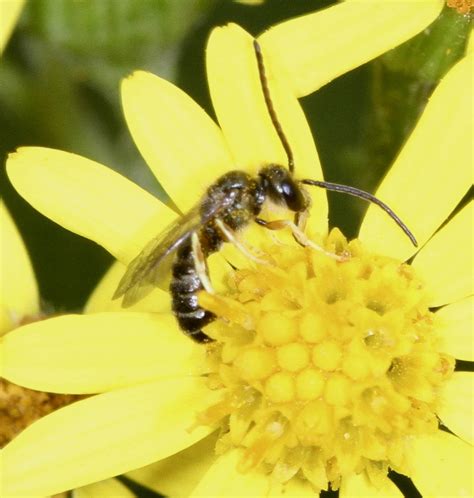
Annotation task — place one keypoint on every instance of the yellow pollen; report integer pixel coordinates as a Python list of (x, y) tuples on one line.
[(313, 420), (337, 390), (355, 366), (462, 6), (20, 407), (293, 356), (277, 329), (327, 355), (312, 327), (326, 368), (255, 363), (309, 384), (280, 388)]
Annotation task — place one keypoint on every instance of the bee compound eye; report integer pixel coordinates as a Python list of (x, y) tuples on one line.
[(292, 195)]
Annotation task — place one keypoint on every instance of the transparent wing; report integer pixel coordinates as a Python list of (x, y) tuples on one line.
[(152, 265), (151, 268)]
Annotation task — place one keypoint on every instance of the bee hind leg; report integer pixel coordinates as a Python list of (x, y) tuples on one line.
[(200, 263)]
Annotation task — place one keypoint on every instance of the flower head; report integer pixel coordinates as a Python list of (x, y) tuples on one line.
[(326, 368), (322, 371), (20, 406)]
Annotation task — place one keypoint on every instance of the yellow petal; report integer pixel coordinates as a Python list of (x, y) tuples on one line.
[(111, 488), (442, 466), (313, 49), (457, 410), (178, 475), (250, 2), (19, 292), (104, 436), (446, 262), (10, 11), (88, 199), (101, 298), (432, 172), (470, 44), (182, 145), (24, 496), (99, 352), (358, 486), (223, 479), (238, 100), (454, 323)]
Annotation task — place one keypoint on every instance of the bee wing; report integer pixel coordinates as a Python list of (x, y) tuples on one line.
[(151, 268)]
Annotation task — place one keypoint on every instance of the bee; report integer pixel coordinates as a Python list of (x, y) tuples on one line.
[(229, 205)]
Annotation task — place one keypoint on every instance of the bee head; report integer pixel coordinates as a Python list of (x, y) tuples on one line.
[(281, 188)]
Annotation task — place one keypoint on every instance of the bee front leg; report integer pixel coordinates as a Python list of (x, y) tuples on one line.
[(299, 235), (231, 237)]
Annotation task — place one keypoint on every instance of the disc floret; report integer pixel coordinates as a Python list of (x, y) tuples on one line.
[(327, 368)]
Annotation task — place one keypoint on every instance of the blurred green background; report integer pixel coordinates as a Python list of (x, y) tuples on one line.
[(59, 87)]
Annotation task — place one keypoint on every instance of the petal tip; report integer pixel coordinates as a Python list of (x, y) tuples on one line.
[(136, 75)]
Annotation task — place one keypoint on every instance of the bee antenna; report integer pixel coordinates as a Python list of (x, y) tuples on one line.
[(271, 108), (362, 194)]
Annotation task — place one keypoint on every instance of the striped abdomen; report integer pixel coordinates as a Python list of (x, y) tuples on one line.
[(184, 287)]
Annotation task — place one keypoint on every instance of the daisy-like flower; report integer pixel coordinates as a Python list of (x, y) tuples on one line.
[(19, 303), (322, 371)]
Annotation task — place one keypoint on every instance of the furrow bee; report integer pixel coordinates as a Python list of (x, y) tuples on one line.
[(229, 205)]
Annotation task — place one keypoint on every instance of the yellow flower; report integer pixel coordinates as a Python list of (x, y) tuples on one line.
[(10, 11), (155, 401), (20, 304)]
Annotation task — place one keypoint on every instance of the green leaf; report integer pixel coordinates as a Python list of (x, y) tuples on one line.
[(404, 78)]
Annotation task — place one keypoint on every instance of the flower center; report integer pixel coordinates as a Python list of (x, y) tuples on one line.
[(327, 368), (20, 407)]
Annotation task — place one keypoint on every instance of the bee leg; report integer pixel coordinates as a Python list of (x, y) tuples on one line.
[(301, 217), (230, 236), (300, 220), (200, 263), (299, 236)]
